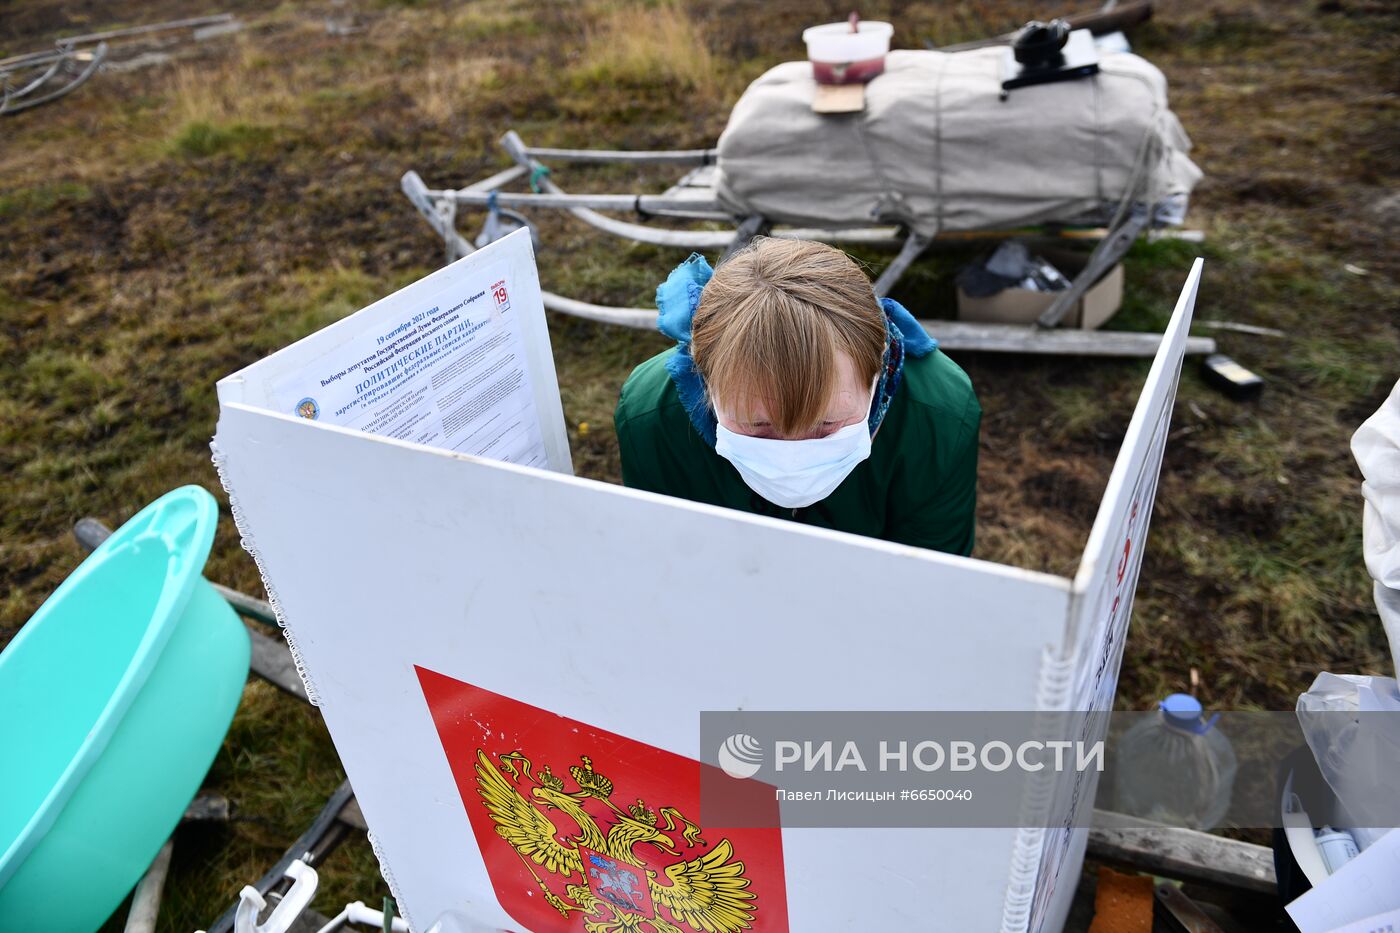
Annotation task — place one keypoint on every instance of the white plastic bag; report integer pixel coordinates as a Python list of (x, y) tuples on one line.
[(1359, 756), (1376, 446)]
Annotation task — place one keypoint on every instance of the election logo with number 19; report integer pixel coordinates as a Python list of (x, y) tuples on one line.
[(502, 297), (586, 830)]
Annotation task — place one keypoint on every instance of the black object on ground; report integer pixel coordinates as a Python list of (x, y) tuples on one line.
[(1231, 378), (1013, 265)]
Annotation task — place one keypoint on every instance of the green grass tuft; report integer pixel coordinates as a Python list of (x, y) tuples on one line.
[(200, 139), (42, 198)]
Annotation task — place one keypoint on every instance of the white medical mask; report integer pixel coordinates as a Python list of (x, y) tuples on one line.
[(794, 474)]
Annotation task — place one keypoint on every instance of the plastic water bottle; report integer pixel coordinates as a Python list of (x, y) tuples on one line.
[(1175, 767), (1338, 847)]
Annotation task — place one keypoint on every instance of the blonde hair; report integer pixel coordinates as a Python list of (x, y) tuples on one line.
[(772, 322)]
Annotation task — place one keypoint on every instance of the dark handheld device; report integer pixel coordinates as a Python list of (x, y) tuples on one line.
[(1045, 52)]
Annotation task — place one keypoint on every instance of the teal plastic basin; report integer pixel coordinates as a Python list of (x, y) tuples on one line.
[(114, 699)]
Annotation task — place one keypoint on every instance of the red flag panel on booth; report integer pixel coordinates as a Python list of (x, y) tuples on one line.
[(584, 829)]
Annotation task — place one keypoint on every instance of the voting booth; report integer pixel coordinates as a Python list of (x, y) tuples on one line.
[(512, 660)]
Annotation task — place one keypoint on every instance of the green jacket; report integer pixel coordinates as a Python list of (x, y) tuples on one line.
[(918, 487)]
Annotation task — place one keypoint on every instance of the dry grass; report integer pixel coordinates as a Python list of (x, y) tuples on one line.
[(645, 45), (242, 96), (239, 86), (446, 81), (501, 19)]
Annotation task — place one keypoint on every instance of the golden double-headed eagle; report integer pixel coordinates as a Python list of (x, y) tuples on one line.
[(707, 893)]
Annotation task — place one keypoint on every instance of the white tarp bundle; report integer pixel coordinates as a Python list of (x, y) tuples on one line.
[(937, 148), (1376, 446)]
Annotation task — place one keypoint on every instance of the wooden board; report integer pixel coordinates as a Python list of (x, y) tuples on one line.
[(839, 98), (1183, 854), (1013, 338)]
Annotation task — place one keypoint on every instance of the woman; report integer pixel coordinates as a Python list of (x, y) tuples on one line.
[(794, 392)]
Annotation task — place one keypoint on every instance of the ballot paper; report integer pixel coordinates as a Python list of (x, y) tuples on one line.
[(446, 362), (1361, 889), (1388, 922)]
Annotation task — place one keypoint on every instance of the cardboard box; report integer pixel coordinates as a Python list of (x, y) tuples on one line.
[(1020, 306)]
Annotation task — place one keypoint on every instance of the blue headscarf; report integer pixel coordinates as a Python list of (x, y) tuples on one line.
[(679, 296)]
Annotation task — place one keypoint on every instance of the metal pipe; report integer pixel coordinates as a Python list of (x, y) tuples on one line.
[(440, 220), (684, 239), (31, 59), (359, 913), (458, 246), (491, 183), (585, 207), (144, 30), (68, 43), (641, 203), (46, 75), (637, 318), (477, 195), (636, 157), (36, 60), (494, 182), (98, 57), (914, 246), (518, 152), (145, 900)]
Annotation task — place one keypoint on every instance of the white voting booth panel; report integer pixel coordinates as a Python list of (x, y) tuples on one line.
[(1084, 677), (445, 606)]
